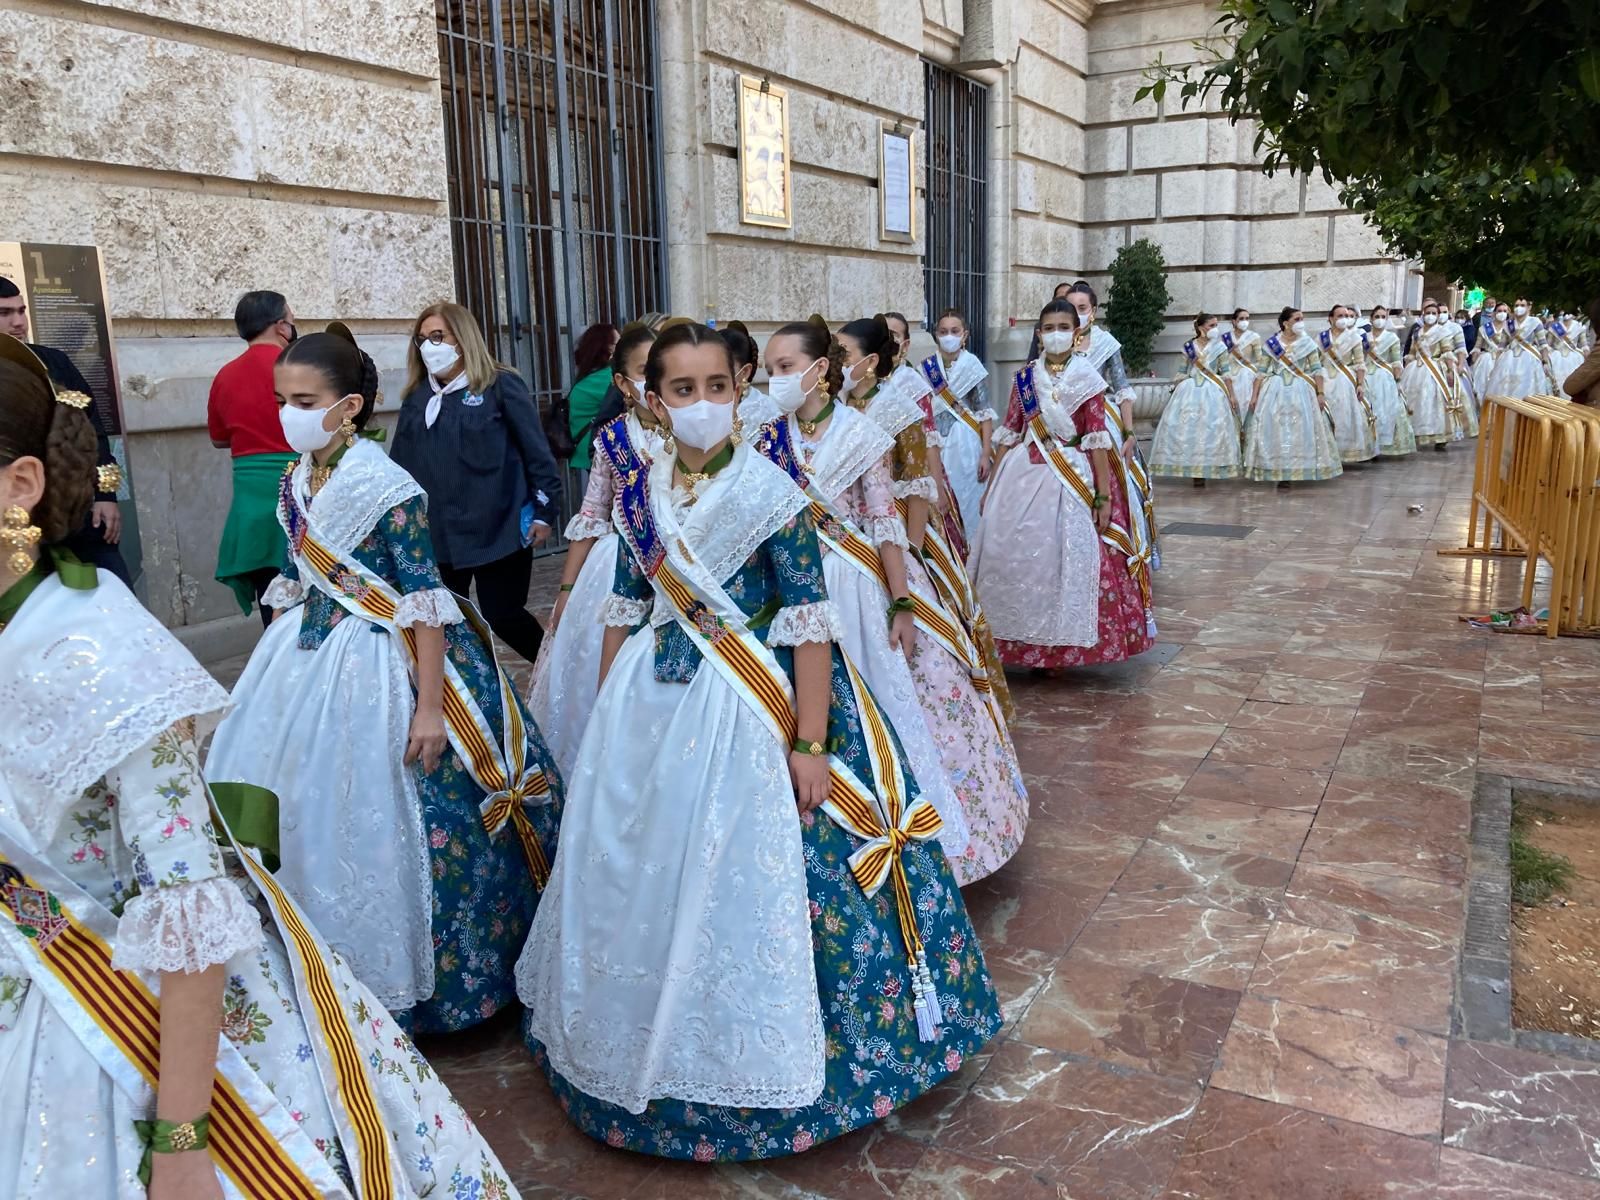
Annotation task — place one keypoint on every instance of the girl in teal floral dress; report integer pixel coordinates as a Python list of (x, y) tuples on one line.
[(417, 825), (711, 976)]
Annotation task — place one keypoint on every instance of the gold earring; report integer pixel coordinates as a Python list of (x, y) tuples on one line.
[(18, 532), (669, 444), (822, 387), (348, 430), (738, 429)]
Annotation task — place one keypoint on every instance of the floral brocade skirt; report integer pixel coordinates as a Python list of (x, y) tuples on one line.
[(876, 1061)]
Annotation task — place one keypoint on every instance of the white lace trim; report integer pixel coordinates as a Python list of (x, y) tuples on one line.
[(925, 488), (1098, 440), (1102, 345), (585, 529), (894, 408), (623, 612), (884, 531), (86, 678), (935, 439), (366, 485), (185, 927), (984, 414), (435, 607), (850, 446), (283, 592), (1005, 436), (964, 375), (805, 623), (1125, 395), (766, 500), (909, 381)]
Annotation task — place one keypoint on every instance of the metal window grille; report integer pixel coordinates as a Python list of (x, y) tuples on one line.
[(552, 132), (955, 267)]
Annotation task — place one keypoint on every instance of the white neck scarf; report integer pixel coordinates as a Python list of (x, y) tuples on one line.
[(436, 401)]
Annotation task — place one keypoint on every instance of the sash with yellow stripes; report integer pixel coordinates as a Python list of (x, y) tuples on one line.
[(1136, 486), (1039, 436), (881, 817), (64, 937), (510, 781), (1332, 356), (1197, 361), (841, 537), (1285, 359), (933, 372), (1454, 410)]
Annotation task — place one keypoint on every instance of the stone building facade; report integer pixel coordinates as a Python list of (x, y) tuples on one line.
[(212, 146)]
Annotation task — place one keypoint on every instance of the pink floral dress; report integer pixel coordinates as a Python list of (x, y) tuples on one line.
[(1124, 630)]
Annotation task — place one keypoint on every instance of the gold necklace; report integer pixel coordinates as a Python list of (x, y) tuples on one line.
[(809, 428)]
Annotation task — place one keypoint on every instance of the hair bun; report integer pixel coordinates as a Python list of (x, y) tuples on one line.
[(816, 319), (740, 326), (340, 330)]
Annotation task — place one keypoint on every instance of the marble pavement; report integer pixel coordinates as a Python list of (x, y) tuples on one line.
[(1228, 947)]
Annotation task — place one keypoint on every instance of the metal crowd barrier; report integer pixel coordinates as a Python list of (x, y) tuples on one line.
[(1534, 496)]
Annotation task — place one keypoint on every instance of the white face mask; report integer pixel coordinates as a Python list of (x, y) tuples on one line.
[(1521, 310), (1298, 327), (438, 358), (303, 428), (1085, 315), (1499, 318), (1346, 322), (949, 342), (638, 391), (702, 424), (1056, 341), (1214, 333), (1242, 324), (1430, 318), (788, 392)]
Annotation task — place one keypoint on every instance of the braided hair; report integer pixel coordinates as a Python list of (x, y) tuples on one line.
[(34, 424)]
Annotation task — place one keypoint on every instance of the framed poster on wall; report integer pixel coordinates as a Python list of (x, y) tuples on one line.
[(764, 195), (897, 185), (64, 288)]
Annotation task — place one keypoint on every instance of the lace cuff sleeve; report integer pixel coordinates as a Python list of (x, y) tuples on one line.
[(917, 489), (935, 439), (186, 927), (584, 528), (885, 531), (804, 623), (1125, 394), (985, 414), (1005, 436), (623, 613), (434, 607), (1100, 439), (283, 592)]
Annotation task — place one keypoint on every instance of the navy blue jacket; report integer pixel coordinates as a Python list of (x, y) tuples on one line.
[(483, 460)]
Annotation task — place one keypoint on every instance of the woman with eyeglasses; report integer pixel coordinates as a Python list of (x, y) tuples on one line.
[(469, 433)]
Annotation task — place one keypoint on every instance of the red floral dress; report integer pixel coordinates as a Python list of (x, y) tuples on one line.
[(1124, 629)]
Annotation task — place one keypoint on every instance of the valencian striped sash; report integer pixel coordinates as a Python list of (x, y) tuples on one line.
[(1455, 411), (1331, 355), (842, 538), (1285, 359), (65, 936), (1040, 437), (933, 372), (880, 816), (510, 782)]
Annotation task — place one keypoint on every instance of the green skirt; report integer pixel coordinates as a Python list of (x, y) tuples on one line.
[(252, 539)]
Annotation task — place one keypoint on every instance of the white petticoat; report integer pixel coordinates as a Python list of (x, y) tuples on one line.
[(671, 953), (566, 677), (961, 452), (1352, 428), (326, 730), (1036, 559)]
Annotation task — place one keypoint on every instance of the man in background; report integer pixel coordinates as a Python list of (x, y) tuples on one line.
[(96, 543), (242, 416)]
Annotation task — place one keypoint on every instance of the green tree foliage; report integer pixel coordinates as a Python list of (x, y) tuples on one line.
[(1136, 304), (1466, 131)]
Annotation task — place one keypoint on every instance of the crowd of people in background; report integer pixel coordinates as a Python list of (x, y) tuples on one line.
[(1299, 405)]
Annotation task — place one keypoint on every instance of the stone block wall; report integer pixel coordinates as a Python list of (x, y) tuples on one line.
[(209, 147), (1191, 182)]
